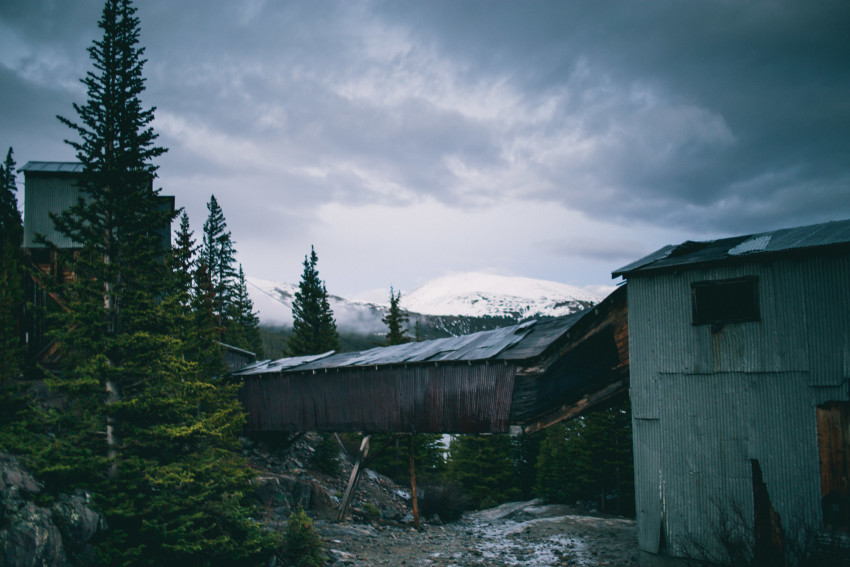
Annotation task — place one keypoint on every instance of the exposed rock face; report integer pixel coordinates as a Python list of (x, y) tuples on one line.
[(32, 535)]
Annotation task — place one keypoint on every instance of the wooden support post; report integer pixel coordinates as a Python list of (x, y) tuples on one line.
[(413, 487), (352, 480)]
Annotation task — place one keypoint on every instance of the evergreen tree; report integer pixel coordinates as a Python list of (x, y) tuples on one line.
[(243, 328), (589, 459), (554, 465), (218, 253), (169, 477), (526, 449), (11, 285), (11, 227), (484, 467), (183, 261), (204, 345), (313, 326), (395, 321)]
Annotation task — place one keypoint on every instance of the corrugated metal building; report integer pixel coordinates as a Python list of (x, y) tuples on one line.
[(740, 382), (50, 188), (533, 374)]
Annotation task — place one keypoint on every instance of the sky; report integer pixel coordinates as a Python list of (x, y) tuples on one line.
[(410, 140)]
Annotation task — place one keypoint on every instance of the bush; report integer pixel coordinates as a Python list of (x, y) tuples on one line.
[(326, 456), (302, 544), (446, 500)]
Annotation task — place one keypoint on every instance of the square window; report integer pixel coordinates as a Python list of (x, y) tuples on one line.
[(725, 301)]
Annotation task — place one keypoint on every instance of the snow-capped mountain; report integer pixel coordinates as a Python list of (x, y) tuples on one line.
[(467, 295), (273, 301), (481, 295)]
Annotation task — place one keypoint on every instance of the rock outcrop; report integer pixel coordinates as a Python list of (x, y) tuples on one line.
[(32, 535)]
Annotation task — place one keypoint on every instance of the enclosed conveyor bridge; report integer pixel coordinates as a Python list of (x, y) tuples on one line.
[(531, 375)]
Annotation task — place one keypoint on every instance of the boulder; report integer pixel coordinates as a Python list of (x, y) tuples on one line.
[(33, 535)]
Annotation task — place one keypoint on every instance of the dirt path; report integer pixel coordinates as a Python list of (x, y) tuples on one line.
[(523, 533)]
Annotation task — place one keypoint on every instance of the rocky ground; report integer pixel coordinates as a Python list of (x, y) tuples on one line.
[(524, 533), (379, 530)]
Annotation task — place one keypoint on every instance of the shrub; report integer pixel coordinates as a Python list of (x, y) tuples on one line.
[(326, 456), (302, 544), (447, 500)]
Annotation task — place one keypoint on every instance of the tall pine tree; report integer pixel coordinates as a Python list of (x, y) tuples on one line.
[(217, 253), (168, 478), (183, 261), (395, 321), (243, 330), (313, 326), (11, 285)]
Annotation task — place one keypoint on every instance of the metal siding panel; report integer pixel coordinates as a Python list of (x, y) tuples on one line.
[(45, 195), (744, 393), (647, 443), (712, 425)]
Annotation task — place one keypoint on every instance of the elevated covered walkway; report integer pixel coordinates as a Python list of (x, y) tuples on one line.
[(530, 375)]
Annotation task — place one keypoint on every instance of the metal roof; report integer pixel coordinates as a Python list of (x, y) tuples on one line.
[(823, 235), (518, 342), (52, 167)]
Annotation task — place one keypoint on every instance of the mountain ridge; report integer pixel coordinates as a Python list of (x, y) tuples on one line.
[(456, 304)]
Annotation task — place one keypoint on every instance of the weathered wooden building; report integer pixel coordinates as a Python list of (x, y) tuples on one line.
[(740, 383), (532, 375)]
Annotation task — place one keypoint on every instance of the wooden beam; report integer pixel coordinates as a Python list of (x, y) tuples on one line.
[(352, 480), (413, 487), (576, 409)]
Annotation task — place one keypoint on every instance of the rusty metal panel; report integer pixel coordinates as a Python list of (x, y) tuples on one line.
[(428, 398)]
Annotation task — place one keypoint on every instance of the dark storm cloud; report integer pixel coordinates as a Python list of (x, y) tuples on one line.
[(726, 112), (704, 118)]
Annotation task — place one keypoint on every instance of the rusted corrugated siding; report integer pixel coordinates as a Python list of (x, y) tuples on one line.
[(426, 398)]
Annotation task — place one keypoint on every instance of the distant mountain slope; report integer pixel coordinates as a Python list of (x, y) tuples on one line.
[(451, 305), (481, 295)]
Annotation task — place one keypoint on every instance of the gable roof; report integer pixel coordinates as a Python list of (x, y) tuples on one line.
[(783, 241)]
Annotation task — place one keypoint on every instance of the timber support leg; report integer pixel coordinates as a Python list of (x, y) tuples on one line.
[(413, 486), (352, 480)]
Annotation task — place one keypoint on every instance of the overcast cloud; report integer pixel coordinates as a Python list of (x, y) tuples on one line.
[(553, 140)]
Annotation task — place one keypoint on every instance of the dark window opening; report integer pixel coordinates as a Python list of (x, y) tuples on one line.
[(725, 301)]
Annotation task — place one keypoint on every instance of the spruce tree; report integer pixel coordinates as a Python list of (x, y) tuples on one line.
[(183, 261), (313, 326), (218, 254), (484, 467), (589, 458), (204, 346), (168, 478), (11, 273), (243, 328), (395, 321)]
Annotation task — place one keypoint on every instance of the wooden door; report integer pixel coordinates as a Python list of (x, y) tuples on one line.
[(834, 448)]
